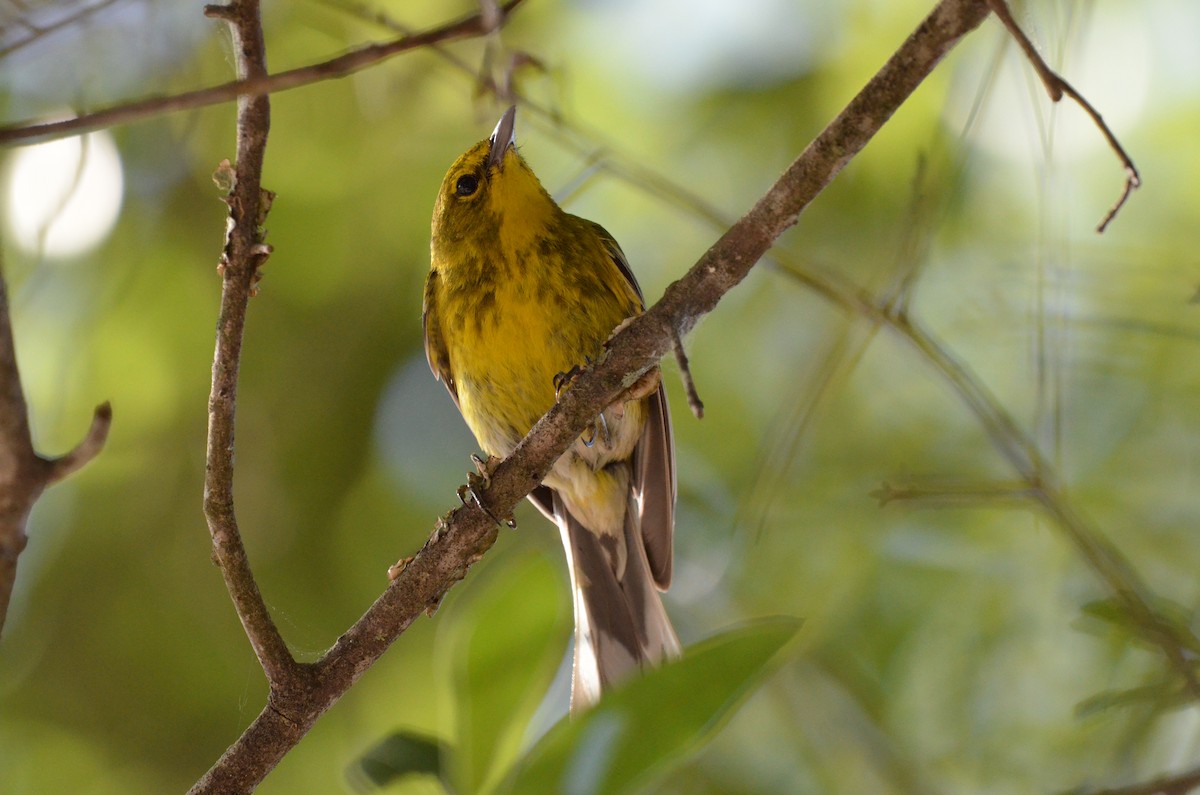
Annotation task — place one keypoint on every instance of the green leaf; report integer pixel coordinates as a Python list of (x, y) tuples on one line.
[(398, 755), (506, 644), (640, 728)]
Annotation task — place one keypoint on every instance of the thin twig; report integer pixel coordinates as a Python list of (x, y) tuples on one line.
[(1056, 87), (343, 65), (243, 256), (685, 373), (466, 533), (1023, 454), (85, 451)]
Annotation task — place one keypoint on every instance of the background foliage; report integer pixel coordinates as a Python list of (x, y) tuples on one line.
[(945, 647)]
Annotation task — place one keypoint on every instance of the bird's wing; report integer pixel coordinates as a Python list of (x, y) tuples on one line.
[(618, 258), (436, 351), (654, 485), (653, 458)]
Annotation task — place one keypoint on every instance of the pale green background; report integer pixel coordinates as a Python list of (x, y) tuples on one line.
[(944, 649)]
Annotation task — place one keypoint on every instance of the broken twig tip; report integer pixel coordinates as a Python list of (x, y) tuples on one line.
[(1132, 182), (86, 450), (685, 373), (1057, 88)]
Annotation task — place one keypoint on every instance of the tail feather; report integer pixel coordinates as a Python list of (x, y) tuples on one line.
[(620, 623)]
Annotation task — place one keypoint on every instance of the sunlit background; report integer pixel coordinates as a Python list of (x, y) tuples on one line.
[(947, 644)]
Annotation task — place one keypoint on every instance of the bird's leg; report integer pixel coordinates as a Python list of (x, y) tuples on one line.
[(600, 424), (645, 386), (477, 483)]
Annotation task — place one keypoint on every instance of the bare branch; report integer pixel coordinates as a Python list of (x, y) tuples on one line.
[(1056, 87), (351, 62), (23, 474), (244, 254)]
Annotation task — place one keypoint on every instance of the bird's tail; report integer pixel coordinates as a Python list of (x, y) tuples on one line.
[(621, 626)]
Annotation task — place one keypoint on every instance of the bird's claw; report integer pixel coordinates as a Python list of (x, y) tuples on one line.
[(477, 483), (485, 468), (565, 379), (600, 426), (645, 386)]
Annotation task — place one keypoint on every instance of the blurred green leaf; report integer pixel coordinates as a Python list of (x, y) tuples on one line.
[(506, 647), (1163, 695), (639, 729), (398, 755)]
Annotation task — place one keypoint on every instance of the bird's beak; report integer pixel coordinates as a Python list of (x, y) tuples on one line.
[(504, 137)]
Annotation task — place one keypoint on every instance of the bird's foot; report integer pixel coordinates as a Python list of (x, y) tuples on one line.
[(599, 427), (645, 386), (565, 379), (477, 483)]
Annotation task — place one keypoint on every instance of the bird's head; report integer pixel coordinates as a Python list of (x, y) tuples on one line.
[(490, 197)]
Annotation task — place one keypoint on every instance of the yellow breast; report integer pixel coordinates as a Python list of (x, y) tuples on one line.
[(520, 291)]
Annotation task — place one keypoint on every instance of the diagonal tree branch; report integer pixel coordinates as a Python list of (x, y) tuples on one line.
[(465, 534), (252, 84)]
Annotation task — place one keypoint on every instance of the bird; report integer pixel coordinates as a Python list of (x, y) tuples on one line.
[(520, 297)]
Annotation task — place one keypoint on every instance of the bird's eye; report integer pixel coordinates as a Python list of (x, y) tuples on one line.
[(467, 184)]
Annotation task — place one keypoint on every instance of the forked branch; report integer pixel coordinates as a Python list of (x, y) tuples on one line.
[(1056, 87), (23, 473)]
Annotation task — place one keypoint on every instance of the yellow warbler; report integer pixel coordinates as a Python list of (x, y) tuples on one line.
[(519, 295)]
